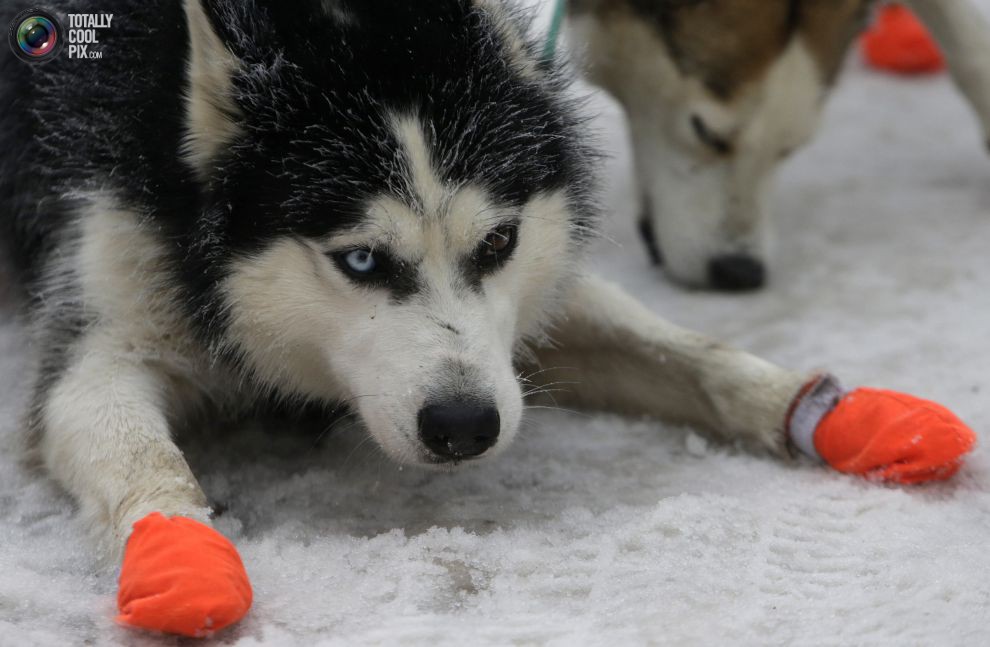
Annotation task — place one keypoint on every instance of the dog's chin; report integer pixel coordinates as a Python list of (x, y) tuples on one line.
[(423, 458), (420, 457), (435, 463)]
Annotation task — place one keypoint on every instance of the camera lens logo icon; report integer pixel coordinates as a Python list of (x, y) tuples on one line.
[(35, 35)]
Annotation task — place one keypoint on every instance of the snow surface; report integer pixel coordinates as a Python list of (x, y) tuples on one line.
[(597, 530)]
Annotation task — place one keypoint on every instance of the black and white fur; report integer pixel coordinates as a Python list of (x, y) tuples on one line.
[(179, 211)]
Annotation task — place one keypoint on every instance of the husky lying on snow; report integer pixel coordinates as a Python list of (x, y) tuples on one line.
[(719, 92), (372, 203)]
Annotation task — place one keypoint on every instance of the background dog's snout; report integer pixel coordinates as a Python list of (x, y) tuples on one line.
[(459, 429), (736, 273)]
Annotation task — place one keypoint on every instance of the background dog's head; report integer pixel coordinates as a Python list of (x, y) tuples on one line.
[(395, 193), (718, 93)]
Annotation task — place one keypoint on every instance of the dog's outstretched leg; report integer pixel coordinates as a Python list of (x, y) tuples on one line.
[(964, 35), (105, 437), (622, 358), (627, 360)]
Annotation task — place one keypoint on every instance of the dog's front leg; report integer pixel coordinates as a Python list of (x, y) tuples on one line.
[(105, 437), (613, 354), (964, 34)]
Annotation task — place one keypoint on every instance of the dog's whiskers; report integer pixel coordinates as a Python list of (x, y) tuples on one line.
[(340, 405), (353, 451), (557, 408), (528, 377), (535, 392), (557, 383), (333, 425)]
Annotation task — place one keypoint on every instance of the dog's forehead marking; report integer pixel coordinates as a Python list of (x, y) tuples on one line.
[(728, 45), (467, 215), (424, 184), (458, 212), (724, 44), (436, 224)]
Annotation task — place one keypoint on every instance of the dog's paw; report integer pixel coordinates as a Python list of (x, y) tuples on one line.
[(892, 436), (180, 576)]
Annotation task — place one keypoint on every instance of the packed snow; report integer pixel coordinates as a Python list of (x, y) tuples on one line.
[(603, 531)]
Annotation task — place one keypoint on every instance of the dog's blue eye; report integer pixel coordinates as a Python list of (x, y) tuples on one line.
[(368, 268), (361, 261)]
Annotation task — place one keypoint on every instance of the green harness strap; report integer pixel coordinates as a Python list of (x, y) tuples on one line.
[(550, 49)]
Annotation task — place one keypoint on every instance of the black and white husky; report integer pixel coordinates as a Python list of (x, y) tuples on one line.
[(373, 203), (719, 92)]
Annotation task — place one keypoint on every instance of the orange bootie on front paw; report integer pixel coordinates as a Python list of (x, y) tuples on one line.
[(893, 437), (879, 434), (180, 576)]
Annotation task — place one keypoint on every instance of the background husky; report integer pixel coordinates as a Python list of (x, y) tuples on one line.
[(719, 92), (373, 204)]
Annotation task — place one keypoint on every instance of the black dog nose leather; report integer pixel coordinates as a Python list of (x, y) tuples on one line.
[(736, 273), (455, 430)]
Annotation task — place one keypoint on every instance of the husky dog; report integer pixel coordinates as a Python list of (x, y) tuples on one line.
[(719, 92), (378, 204), (374, 203)]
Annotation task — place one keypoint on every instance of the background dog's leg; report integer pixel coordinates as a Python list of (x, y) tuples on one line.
[(105, 438), (623, 358), (964, 34)]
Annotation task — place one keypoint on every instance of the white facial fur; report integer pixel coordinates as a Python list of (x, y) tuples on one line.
[(704, 204), (310, 329)]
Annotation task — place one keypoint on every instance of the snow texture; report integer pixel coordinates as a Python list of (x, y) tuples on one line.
[(603, 531)]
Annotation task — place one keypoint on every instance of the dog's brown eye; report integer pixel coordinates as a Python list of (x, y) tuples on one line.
[(497, 246), (499, 240)]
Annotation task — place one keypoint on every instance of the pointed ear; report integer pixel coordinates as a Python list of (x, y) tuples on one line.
[(211, 112)]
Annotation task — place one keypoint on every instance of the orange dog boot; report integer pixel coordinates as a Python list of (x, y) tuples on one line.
[(180, 576), (898, 42), (878, 434)]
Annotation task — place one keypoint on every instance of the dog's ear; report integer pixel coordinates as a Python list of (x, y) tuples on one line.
[(211, 110)]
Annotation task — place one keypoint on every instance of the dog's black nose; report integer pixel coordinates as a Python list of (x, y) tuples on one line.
[(454, 430), (736, 273)]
